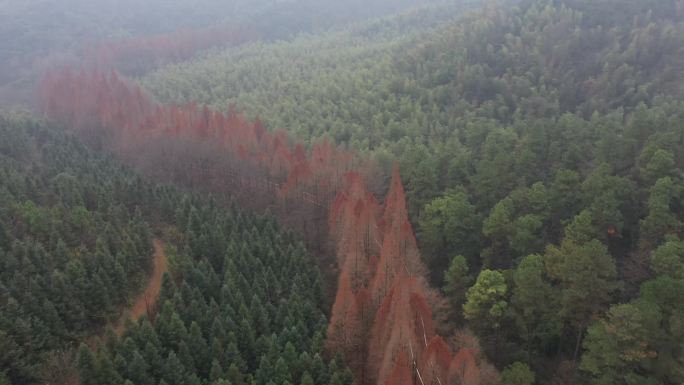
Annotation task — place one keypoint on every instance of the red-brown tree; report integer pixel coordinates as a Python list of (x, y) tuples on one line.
[(381, 321)]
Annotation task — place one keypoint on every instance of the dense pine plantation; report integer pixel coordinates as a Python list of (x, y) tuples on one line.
[(242, 306), (541, 145), (242, 303), (74, 246)]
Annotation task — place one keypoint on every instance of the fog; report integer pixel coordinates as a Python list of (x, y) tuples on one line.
[(37, 33), (369, 192)]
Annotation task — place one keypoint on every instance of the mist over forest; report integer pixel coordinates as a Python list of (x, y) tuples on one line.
[(315, 192)]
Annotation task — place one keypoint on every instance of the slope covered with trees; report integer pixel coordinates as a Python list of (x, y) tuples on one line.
[(243, 300), (38, 33), (242, 305), (541, 144), (74, 246), (389, 301)]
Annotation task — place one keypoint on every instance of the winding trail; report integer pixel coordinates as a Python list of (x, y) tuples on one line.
[(145, 301)]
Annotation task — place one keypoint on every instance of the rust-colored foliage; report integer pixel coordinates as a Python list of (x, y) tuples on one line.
[(395, 213), (349, 324), (402, 374), (381, 321), (337, 208), (300, 174), (434, 364), (388, 268), (353, 222), (104, 101), (463, 368), (344, 320), (403, 323)]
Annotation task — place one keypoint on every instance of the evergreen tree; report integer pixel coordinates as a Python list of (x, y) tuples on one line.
[(457, 280), (586, 274), (87, 366)]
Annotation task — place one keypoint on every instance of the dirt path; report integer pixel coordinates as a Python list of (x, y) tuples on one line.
[(144, 302)]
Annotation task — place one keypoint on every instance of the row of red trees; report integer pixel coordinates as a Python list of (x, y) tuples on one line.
[(381, 320), (126, 116)]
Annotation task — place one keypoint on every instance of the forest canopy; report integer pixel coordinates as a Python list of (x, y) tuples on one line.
[(558, 140), (382, 192), (241, 301)]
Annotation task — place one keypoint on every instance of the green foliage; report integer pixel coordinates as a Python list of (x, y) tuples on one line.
[(87, 366), (668, 259), (535, 304), (636, 342), (498, 227), (661, 220), (73, 245), (544, 139), (486, 301), (517, 374), (661, 165), (35, 30), (307, 379), (585, 272), (242, 305), (450, 225), (557, 101), (552, 150), (457, 280), (620, 341), (243, 295)]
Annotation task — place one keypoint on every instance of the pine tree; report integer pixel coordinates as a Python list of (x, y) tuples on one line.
[(216, 371), (200, 350), (306, 379), (174, 372), (535, 304), (106, 374), (87, 366), (586, 273), (139, 370), (234, 375), (457, 280)]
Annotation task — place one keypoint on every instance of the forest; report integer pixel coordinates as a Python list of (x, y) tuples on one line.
[(454, 193), (37, 34), (240, 304)]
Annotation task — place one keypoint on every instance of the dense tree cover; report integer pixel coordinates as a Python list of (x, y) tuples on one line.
[(311, 86), (640, 341), (542, 143), (242, 304), (39, 32), (381, 320), (74, 246), (547, 160)]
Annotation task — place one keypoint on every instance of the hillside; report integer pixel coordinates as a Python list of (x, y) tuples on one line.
[(567, 116), (74, 245), (38, 34), (457, 114), (242, 300), (369, 193)]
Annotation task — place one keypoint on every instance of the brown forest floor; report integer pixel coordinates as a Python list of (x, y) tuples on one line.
[(146, 300)]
